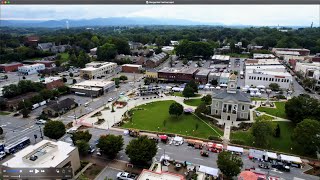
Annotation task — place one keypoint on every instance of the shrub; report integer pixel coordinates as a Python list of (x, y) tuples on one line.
[(237, 141), (214, 138)]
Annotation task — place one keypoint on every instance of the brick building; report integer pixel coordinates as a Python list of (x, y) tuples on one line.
[(184, 74), (10, 67), (52, 82), (131, 68)]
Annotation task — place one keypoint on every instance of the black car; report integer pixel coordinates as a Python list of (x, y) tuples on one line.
[(264, 166)]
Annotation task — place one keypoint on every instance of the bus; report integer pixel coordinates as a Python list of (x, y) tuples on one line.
[(18, 145)]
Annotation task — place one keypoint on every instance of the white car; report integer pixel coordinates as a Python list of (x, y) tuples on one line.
[(41, 121), (126, 176), (110, 99)]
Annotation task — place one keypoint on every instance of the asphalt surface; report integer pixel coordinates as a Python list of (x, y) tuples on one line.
[(193, 155)]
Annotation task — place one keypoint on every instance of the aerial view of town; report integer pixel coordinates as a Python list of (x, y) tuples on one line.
[(107, 92)]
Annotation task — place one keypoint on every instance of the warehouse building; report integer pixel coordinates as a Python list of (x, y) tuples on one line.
[(94, 88), (96, 70), (46, 154), (10, 67), (31, 69), (131, 68), (184, 74)]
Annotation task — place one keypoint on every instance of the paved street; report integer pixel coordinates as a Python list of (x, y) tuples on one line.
[(193, 155)]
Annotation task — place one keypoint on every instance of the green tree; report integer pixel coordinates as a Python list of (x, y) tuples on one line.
[(306, 134), (111, 145), (120, 44), (193, 85), (106, 52), (185, 61), (229, 164), (74, 81), (175, 109), (81, 135), (188, 92), (54, 129), (302, 107), (95, 40), (64, 80), (207, 99), (71, 74), (83, 146), (123, 78), (202, 108), (46, 94), (262, 131), (274, 86), (141, 150), (25, 112), (277, 131)]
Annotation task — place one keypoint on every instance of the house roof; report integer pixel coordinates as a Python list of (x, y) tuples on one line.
[(238, 96), (66, 103), (45, 45)]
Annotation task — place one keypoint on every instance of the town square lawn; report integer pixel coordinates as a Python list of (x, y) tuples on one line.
[(284, 143), (155, 117), (181, 95), (193, 102), (279, 111)]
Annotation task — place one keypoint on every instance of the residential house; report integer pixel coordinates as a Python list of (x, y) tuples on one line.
[(56, 108)]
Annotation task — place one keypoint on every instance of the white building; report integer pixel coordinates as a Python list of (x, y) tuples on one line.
[(309, 70), (174, 43), (167, 49), (93, 88), (217, 59), (263, 56), (256, 62), (46, 154), (95, 70), (31, 69), (275, 68), (224, 78), (266, 77)]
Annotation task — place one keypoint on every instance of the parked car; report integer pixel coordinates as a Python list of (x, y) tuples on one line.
[(264, 165), (41, 122), (98, 152), (110, 99), (126, 176), (91, 150)]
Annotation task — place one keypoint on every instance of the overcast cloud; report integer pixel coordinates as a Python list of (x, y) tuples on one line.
[(259, 15)]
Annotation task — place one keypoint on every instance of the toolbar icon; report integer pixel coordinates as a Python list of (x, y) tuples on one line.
[(36, 171)]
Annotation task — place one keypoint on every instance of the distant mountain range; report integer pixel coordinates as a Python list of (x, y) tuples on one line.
[(112, 21)]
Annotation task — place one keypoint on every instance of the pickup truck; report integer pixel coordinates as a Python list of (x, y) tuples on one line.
[(126, 176)]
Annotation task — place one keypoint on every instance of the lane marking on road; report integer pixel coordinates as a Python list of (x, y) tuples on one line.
[(199, 159)]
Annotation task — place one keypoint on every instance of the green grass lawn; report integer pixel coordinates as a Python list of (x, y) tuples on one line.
[(279, 111), (181, 95), (64, 57), (4, 113), (283, 143), (258, 99), (193, 102), (151, 117)]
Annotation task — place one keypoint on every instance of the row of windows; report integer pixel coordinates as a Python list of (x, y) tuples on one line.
[(269, 79)]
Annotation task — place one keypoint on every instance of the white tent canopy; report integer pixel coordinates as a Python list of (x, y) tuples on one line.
[(235, 149), (292, 159), (261, 86), (177, 89), (208, 170), (223, 85), (271, 155)]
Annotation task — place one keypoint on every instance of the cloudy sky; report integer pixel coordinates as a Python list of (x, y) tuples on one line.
[(260, 15)]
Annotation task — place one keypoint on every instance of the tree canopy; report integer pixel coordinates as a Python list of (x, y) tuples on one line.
[(306, 134), (110, 145), (175, 109), (107, 52), (54, 129), (229, 164), (262, 131), (141, 150), (188, 92), (302, 107), (81, 135)]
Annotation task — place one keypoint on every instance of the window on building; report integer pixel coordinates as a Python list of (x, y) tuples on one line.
[(216, 111), (242, 108)]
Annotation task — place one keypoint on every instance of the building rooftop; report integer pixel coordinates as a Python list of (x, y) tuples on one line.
[(288, 53), (133, 65), (96, 65), (151, 175), (265, 67), (60, 105), (262, 56), (47, 80), (31, 65), (290, 49), (203, 72), (221, 57), (266, 72), (49, 154), (184, 70), (238, 96), (225, 75), (251, 62), (93, 83), (11, 64), (158, 57)]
